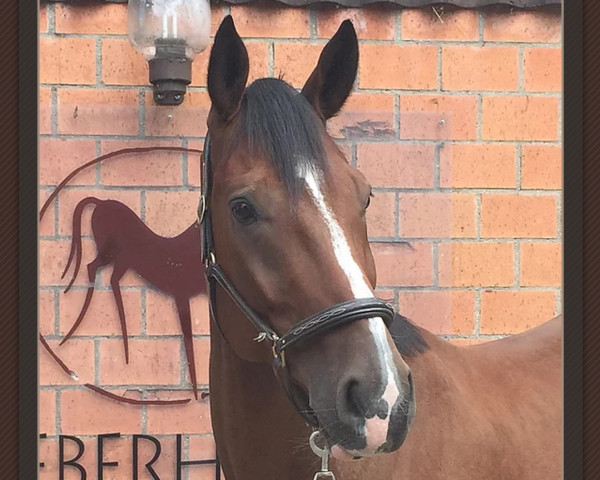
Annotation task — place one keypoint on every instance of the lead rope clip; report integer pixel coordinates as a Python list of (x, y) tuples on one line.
[(324, 454)]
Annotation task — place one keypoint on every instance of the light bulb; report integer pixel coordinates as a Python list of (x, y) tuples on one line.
[(169, 33)]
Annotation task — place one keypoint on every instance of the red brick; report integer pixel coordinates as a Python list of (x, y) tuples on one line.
[(178, 420), (170, 213), (105, 19), (520, 118), (98, 112), (45, 114), (130, 279), (479, 68), (162, 317), (186, 120), (364, 116), (46, 315), (47, 412), (217, 14), (397, 165), (59, 157), (78, 356), (440, 312), (43, 19), (121, 64), (475, 264), (165, 465), (151, 362), (151, 168), (405, 67), (507, 312), (294, 62), (202, 448), (68, 200), (542, 69), (119, 450), (47, 223), (49, 454), (370, 22), (438, 117), (271, 20), (477, 166), (468, 342), (541, 264), (84, 412), (384, 294), (516, 25), (53, 255), (102, 317), (437, 215), (424, 24), (517, 216), (66, 60), (541, 166), (202, 358), (381, 215), (400, 265), (258, 52)]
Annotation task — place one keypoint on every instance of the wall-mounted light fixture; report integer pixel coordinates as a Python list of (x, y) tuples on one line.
[(169, 33)]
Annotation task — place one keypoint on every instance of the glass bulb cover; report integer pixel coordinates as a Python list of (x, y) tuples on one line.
[(181, 22)]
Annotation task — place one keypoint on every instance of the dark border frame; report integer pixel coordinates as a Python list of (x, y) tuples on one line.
[(578, 205), (28, 239), (573, 240)]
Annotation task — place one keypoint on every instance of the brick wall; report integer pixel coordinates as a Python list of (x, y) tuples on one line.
[(455, 120)]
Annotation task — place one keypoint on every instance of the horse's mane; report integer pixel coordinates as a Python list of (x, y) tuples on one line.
[(277, 121), (407, 338)]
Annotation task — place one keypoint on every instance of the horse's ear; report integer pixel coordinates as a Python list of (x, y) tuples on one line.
[(227, 70), (330, 83)]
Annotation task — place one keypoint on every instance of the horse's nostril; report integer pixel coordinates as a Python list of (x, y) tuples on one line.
[(353, 401), (356, 403)]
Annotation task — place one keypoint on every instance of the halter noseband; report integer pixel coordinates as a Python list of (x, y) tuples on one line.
[(325, 320)]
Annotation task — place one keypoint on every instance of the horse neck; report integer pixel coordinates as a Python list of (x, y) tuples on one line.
[(439, 372), (247, 393)]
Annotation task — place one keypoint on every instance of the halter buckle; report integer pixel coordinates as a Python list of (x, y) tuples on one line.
[(201, 209), (278, 355), (210, 260)]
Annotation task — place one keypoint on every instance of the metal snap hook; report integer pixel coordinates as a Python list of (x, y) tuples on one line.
[(324, 453), (312, 441)]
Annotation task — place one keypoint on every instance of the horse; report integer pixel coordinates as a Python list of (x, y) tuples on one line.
[(303, 355), (173, 264)]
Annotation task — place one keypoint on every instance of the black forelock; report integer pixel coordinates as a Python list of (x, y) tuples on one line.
[(278, 122)]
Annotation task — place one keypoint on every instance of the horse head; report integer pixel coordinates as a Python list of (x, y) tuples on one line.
[(288, 226)]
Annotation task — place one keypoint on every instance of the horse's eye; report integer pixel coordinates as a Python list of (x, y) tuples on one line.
[(369, 200), (243, 212)]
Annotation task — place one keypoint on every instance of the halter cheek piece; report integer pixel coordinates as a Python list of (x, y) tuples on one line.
[(325, 320)]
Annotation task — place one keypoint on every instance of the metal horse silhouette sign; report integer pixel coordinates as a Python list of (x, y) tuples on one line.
[(172, 265)]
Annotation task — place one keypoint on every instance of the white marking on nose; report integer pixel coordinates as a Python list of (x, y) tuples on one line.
[(375, 428)]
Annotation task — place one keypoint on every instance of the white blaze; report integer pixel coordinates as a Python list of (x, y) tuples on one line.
[(375, 428)]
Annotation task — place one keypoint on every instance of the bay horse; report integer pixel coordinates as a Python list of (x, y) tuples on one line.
[(284, 236)]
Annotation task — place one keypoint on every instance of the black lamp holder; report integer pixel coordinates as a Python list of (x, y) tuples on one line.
[(170, 72)]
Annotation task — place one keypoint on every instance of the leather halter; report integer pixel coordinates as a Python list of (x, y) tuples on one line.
[(325, 320)]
